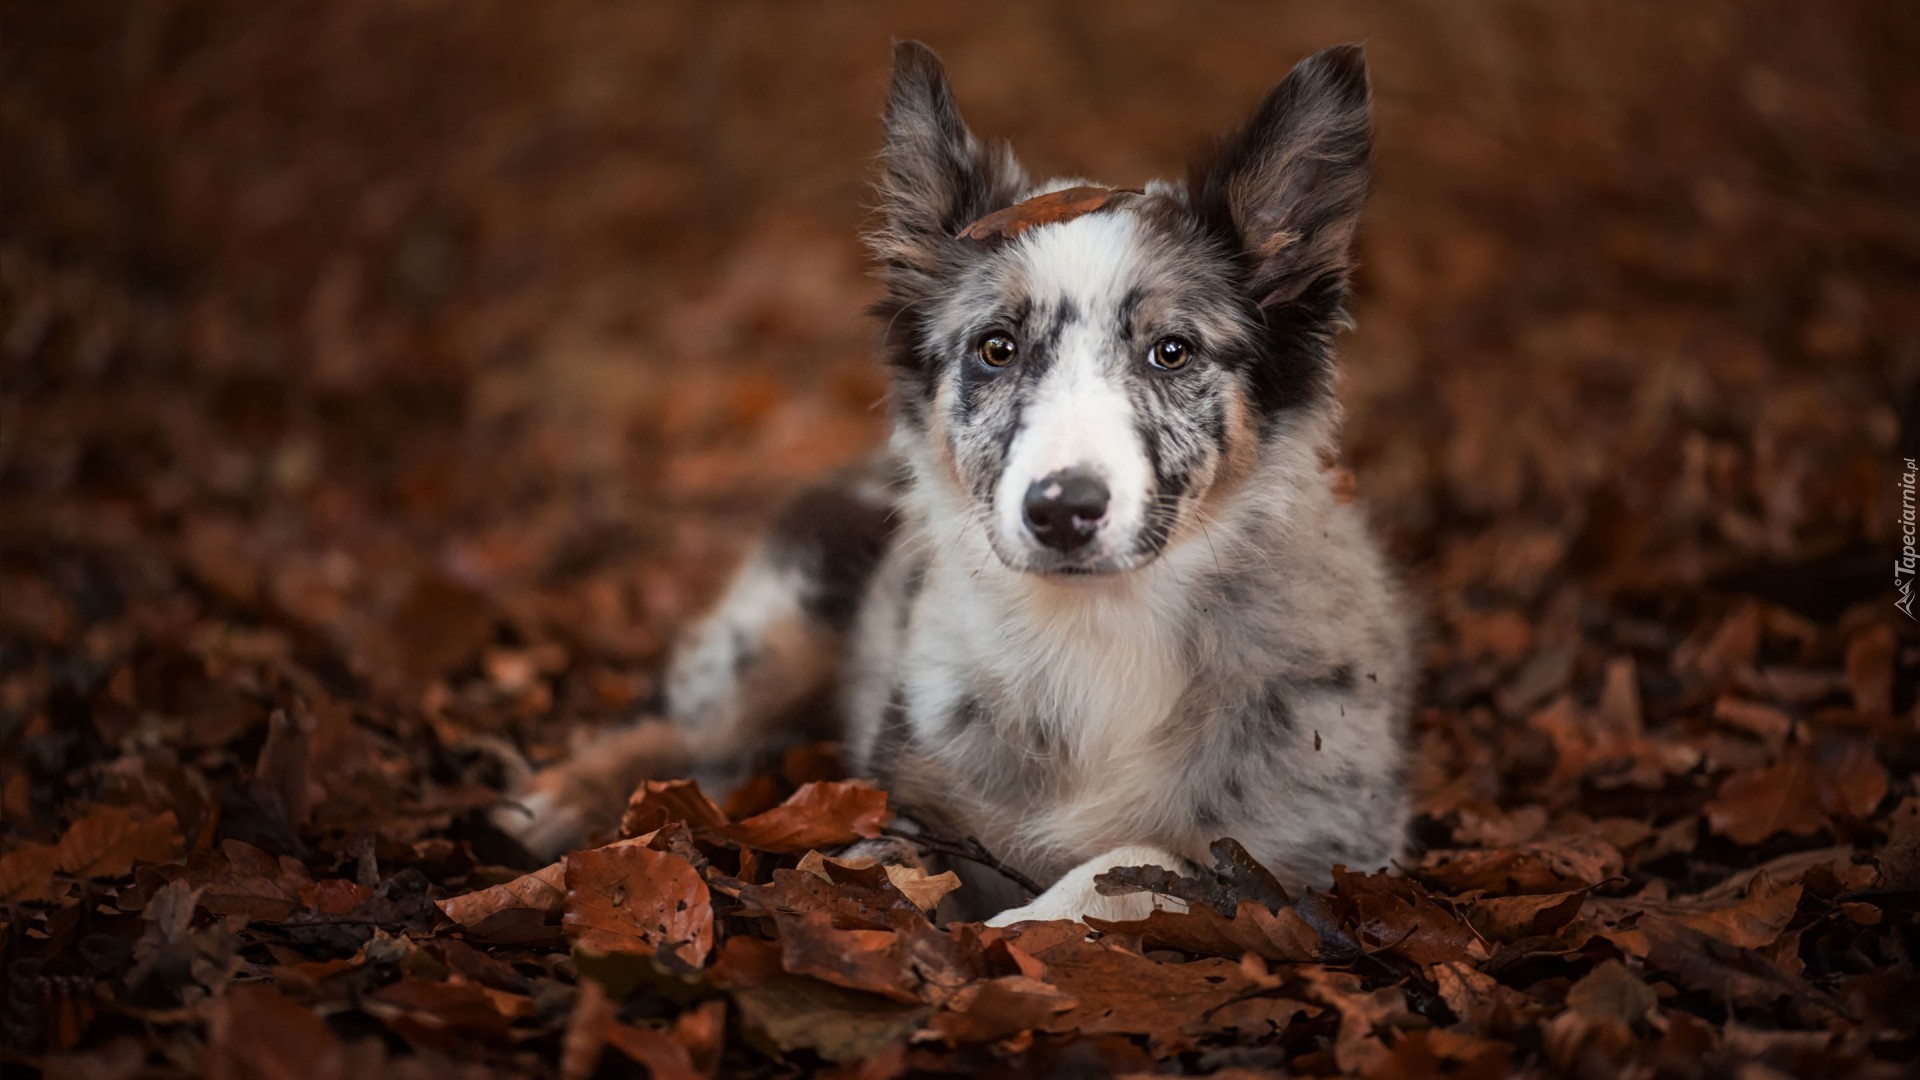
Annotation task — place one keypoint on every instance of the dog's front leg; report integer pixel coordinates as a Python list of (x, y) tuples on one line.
[(1075, 897)]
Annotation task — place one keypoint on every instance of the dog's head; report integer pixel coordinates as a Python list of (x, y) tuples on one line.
[(1085, 373)]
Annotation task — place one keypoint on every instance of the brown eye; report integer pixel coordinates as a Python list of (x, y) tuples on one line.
[(996, 350), (1170, 354)]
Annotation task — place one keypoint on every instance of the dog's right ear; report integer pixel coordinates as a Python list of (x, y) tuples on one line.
[(936, 178)]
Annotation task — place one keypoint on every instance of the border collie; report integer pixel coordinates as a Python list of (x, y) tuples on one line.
[(1101, 602)]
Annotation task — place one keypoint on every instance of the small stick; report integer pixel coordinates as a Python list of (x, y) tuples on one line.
[(971, 850)]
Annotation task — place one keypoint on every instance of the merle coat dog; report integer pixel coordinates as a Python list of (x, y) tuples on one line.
[(1100, 603)]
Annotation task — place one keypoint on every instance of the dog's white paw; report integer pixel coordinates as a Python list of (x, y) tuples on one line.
[(1040, 910), (544, 824)]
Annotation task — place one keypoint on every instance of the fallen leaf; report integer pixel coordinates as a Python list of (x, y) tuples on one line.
[(658, 802), (1122, 992), (1511, 918), (107, 842), (996, 1008), (1554, 865), (1274, 935), (633, 899), (787, 1012), (822, 814), (1395, 915), (243, 880), (256, 1034), (27, 873), (526, 909), (1236, 876), (923, 889), (1798, 792)]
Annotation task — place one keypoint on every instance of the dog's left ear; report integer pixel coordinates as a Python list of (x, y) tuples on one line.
[(1288, 187), (935, 176)]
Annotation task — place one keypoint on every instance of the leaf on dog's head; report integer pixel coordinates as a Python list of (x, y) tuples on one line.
[(1049, 209)]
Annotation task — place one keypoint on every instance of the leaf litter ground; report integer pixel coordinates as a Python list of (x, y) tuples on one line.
[(313, 544)]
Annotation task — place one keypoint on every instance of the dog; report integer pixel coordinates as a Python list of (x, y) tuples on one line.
[(1101, 601)]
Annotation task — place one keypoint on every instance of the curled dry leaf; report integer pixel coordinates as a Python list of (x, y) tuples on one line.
[(1235, 877), (522, 910), (913, 882), (822, 814), (1273, 935), (860, 897), (1554, 865), (1051, 208), (658, 802), (1512, 918), (1752, 922)]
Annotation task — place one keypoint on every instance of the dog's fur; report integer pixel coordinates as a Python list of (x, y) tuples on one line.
[(1225, 656)]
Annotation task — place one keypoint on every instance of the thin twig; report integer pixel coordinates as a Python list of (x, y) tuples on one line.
[(971, 850)]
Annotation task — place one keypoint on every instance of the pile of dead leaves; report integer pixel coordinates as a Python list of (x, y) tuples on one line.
[(709, 939), (381, 386)]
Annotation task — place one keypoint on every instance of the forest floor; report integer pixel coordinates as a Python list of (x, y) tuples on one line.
[(381, 386)]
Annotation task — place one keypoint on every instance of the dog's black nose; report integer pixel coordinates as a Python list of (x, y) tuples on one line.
[(1063, 510)]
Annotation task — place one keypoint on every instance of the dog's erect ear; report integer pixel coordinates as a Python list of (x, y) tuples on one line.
[(1288, 187), (936, 177)]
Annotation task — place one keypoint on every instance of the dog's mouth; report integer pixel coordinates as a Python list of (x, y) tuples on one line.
[(1089, 568)]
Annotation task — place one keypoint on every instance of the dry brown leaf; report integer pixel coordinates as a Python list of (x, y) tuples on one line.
[(243, 880), (996, 1008), (440, 1015), (924, 889), (792, 1013), (1395, 915), (28, 873), (1510, 918), (658, 802), (1125, 993), (256, 1034), (1797, 793), (1274, 935), (107, 842), (525, 909), (1049, 209), (633, 899), (1553, 865), (822, 814)]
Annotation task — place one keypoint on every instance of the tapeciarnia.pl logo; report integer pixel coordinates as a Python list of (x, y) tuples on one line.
[(1909, 560)]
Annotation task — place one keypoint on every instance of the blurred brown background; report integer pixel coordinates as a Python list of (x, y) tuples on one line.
[(348, 310)]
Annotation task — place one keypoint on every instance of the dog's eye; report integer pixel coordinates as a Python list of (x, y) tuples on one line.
[(996, 350), (1170, 354)]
